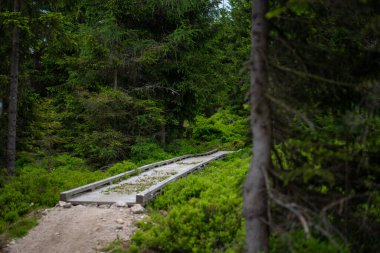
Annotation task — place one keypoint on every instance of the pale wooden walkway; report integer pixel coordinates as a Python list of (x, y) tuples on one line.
[(142, 187)]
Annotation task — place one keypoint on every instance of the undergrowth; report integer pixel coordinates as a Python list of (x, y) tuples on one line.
[(199, 213), (203, 213)]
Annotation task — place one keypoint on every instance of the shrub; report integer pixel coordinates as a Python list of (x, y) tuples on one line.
[(199, 213), (145, 151), (121, 167), (224, 126), (36, 185), (203, 213), (295, 242)]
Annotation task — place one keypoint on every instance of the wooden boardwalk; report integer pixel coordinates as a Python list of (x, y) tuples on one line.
[(142, 187)]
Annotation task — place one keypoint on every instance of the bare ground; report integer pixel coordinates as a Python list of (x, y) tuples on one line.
[(79, 229)]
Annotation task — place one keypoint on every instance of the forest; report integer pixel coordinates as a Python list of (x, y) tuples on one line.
[(92, 88)]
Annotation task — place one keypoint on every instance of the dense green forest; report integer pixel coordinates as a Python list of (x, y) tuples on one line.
[(91, 88)]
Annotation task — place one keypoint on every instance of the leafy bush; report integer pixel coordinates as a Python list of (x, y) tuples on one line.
[(99, 126), (203, 213), (121, 167), (225, 126), (144, 152), (200, 213), (36, 185), (102, 147), (189, 146), (295, 242), (21, 227)]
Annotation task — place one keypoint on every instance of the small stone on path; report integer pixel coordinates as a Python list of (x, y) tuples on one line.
[(64, 204), (67, 205), (137, 209), (120, 204), (120, 221)]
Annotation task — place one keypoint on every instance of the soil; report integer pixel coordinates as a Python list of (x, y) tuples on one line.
[(79, 229)]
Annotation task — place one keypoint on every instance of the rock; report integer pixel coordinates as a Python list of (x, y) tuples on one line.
[(137, 209), (67, 205), (57, 233), (13, 242), (62, 203), (120, 221), (104, 206), (119, 227), (121, 204)]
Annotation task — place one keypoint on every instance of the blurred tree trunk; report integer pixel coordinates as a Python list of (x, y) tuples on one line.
[(12, 109), (115, 79), (255, 195)]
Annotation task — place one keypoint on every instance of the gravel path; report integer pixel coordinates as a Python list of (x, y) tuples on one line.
[(79, 229)]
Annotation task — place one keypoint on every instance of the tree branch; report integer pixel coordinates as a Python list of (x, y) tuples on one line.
[(295, 112), (309, 75), (292, 207)]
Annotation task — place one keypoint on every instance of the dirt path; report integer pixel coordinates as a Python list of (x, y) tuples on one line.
[(79, 229)]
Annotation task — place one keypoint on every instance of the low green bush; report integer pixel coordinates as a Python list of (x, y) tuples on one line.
[(21, 227), (121, 167), (145, 152), (38, 185), (296, 242), (203, 213), (200, 213), (228, 128)]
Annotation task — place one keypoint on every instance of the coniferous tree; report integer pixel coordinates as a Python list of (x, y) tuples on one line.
[(12, 108), (255, 194)]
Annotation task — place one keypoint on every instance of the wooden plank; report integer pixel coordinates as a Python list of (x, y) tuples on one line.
[(66, 195)]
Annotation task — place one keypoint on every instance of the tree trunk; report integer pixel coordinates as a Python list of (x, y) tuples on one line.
[(12, 109), (115, 79), (163, 134), (255, 195)]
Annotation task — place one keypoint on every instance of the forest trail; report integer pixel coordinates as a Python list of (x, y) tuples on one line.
[(140, 188), (79, 229), (105, 216)]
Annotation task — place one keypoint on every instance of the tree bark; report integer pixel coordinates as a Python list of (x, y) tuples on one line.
[(163, 134), (255, 195), (115, 79), (12, 109)]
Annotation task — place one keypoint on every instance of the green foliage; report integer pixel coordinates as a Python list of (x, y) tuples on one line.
[(116, 246), (37, 185), (99, 126), (144, 152), (121, 167), (328, 163), (227, 127), (189, 146), (102, 147), (200, 213), (296, 242), (21, 227)]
